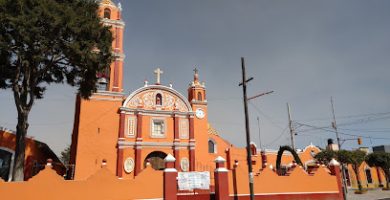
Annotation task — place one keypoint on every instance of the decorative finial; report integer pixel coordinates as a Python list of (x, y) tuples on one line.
[(120, 6), (145, 83), (158, 73), (170, 85), (196, 75)]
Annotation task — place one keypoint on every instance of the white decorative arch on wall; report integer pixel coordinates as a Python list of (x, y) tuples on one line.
[(12, 161), (133, 99)]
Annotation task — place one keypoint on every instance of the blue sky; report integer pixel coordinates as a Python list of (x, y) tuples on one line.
[(306, 51)]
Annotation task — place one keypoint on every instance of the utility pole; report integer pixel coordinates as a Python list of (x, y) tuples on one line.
[(334, 125), (258, 125), (291, 128), (248, 148)]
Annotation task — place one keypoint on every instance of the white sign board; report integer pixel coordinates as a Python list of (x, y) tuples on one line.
[(193, 180)]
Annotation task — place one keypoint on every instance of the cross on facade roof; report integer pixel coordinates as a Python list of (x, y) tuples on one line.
[(158, 73)]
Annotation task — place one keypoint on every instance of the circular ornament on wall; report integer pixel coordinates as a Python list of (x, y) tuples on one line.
[(200, 113), (185, 164), (128, 165)]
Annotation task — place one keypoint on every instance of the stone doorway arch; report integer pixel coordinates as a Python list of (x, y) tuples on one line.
[(156, 160)]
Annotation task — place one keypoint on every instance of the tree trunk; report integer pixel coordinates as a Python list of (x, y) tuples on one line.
[(21, 132), (356, 169), (387, 175)]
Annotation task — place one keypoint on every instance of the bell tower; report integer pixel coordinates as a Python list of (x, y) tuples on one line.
[(95, 128), (198, 122), (197, 90), (112, 78)]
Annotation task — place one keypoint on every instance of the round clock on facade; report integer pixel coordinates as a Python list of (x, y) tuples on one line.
[(199, 113), (128, 165)]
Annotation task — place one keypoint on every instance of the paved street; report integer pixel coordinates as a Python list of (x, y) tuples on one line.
[(370, 195)]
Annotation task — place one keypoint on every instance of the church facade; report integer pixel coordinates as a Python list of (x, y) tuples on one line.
[(153, 121)]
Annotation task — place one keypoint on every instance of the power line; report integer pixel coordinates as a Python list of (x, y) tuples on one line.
[(368, 130), (349, 116), (277, 138), (359, 121), (266, 116), (329, 130)]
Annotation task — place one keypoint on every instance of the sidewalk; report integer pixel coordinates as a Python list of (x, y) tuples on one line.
[(374, 194)]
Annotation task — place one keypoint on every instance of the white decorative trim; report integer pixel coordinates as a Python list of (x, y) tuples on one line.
[(114, 23), (109, 93), (128, 165), (185, 164), (162, 113), (184, 128), (222, 169), (253, 143), (169, 158), (104, 99), (155, 144), (159, 87), (219, 159), (119, 56), (170, 170), (131, 126), (194, 101), (158, 115)]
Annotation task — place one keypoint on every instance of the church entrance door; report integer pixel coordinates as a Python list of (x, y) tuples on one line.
[(156, 160)]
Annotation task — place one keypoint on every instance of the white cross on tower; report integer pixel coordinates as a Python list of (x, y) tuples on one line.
[(158, 73)]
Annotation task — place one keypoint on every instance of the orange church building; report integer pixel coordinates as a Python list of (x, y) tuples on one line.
[(129, 131), (145, 126)]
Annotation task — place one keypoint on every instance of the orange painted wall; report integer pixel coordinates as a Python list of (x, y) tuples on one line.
[(149, 185), (101, 185), (36, 153), (97, 134)]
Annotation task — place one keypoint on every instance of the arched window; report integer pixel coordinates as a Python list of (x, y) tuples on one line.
[(200, 96), (107, 13), (158, 99), (212, 146), (368, 175)]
